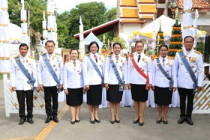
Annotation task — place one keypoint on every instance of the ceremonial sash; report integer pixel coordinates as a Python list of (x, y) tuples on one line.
[(121, 82), (190, 71), (31, 80), (96, 68), (52, 72), (165, 74), (140, 71)]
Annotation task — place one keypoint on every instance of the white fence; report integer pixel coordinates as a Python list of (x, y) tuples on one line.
[(201, 101)]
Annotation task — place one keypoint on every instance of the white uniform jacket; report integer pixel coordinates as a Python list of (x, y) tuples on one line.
[(18, 79)]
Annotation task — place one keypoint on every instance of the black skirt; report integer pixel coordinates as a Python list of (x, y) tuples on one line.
[(94, 95), (139, 93), (114, 94), (75, 97), (163, 96)]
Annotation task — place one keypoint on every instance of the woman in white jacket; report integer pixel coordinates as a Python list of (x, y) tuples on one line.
[(73, 85), (114, 81)]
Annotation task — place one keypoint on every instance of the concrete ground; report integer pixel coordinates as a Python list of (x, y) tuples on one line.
[(126, 130)]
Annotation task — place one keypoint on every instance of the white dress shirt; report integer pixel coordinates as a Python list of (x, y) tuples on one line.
[(73, 75), (109, 74), (196, 62), (44, 75), (134, 77), (90, 75), (18, 79), (158, 79)]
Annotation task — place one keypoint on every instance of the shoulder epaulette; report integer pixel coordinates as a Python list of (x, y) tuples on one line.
[(43, 53), (197, 52), (31, 57), (87, 54), (57, 53), (171, 57), (16, 56), (179, 50)]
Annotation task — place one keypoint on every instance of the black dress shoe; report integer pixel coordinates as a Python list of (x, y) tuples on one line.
[(30, 120), (117, 121), (73, 122), (159, 121), (165, 122), (141, 123), (189, 121), (77, 121), (22, 120), (181, 120), (135, 121), (92, 121), (98, 121), (112, 122), (55, 118), (47, 119)]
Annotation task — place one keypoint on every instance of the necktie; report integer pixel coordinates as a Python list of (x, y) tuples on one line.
[(95, 58), (139, 57), (117, 58), (74, 64), (163, 61)]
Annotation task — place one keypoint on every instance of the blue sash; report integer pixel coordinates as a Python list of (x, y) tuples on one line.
[(31, 79), (52, 72), (121, 82), (190, 71), (165, 74), (96, 68)]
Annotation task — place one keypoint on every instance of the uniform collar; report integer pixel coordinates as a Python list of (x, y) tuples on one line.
[(71, 61), (23, 57), (137, 54), (187, 52), (51, 54), (91, 54), (161, 58)]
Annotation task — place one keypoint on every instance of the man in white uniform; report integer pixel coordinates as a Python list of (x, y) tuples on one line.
[(185, 81), (23, 80), (49, 75)]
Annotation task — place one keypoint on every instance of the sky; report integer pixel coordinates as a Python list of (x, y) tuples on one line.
[(67, 5)]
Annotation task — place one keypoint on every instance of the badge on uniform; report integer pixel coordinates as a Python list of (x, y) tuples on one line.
[(193, 59), (26, 60), (144, 60), (169, 64), (120, 87)]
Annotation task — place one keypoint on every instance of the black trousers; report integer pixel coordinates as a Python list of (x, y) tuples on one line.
[(21, 96), (186, 93), (51, 100)]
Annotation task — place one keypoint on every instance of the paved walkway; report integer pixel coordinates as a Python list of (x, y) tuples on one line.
[(9, 128)]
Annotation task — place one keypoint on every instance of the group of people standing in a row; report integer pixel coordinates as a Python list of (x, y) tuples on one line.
[(138, 73)]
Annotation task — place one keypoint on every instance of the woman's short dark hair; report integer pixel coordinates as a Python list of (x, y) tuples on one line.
[(137, 42), (117, 43), (23, 45), (74, 50), (163, 45), (93, 42), (49, 41)]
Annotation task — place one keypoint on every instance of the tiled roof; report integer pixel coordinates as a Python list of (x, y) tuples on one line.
[(196, 4)]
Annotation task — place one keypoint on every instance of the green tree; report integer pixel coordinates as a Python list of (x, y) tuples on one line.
[(120, 40), (92, 13)]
